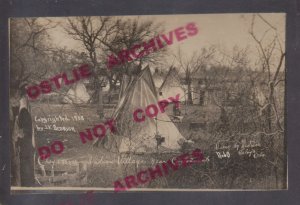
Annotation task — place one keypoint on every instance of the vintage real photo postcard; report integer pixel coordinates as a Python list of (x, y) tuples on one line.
[(148, 103)]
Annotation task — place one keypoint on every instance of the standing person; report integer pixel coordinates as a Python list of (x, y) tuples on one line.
[(27, 142), (15, 134)]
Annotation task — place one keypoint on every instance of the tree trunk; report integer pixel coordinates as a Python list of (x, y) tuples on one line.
[(100, 104), (190, 99), (98, 97), (269, 108), (111, 88), (270, 128)]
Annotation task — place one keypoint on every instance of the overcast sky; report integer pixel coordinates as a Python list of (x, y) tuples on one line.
[(225, 30)]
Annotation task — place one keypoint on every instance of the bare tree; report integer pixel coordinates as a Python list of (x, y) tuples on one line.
[(233, 84), (194, 64), (129, 33), (228, 82), (29, 49), (88, 30), (102, 36), (271, 63), (271, 59)]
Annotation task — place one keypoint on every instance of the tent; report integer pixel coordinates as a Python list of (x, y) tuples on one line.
[(77, 94), (140, 137), (171, 85), (158, 77)]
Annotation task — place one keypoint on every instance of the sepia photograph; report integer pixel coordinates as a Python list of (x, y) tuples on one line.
[(188, 102)]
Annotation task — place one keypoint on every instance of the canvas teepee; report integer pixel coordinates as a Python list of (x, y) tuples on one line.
[(171, 85), (77, 94), (139, 92)]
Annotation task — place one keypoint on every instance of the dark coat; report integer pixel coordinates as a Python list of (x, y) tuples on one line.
[(26, 149)]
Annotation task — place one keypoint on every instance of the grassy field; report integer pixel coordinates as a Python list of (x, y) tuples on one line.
[(103, 166), (86, 165)]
